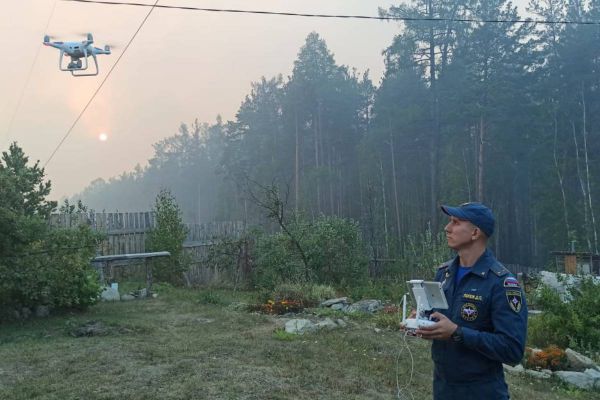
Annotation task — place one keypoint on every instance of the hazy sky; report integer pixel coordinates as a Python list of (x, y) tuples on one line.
[(182, 65)]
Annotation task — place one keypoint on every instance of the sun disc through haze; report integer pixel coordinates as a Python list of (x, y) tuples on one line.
[(103, 137)]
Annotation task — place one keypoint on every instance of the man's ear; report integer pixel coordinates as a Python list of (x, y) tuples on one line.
[(476, 233)]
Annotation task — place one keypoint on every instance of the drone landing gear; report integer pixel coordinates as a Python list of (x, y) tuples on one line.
[(77, 65)]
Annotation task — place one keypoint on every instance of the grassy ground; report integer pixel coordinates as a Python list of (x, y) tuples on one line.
[(184, 346)]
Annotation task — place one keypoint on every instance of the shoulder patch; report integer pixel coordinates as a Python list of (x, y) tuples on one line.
[(511, 282)]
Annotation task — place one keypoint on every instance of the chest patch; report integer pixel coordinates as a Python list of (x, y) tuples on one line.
[(469, 312), (514, 300), (511, 282)]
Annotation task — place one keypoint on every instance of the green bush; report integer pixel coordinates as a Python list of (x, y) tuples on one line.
[(307, 294), (40, 265), (333, 250), (55, 272), (168, 235), (575, 324)]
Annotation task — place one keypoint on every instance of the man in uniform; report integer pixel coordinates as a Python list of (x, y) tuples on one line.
[(485, 324)]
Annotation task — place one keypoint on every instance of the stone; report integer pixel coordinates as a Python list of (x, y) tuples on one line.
[(516, 370), (127, 297), (341, 323), (538, 374), (578, 379), (339, 307), (330, 302), (25, 313), (327, 323), (577, 361), (377, 330), (91, 328), (143, 293), (154, 295), (365, 306), (110, 294), (42, 311), (592, 372), (299, 326)]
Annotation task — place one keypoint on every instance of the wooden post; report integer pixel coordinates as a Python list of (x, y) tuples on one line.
[(148, 277)]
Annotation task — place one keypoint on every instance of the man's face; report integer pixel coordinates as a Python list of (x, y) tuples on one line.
[(459, 233)]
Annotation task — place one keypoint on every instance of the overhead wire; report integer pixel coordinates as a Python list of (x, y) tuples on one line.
[(22, 94), (342, 16), (101, 84)]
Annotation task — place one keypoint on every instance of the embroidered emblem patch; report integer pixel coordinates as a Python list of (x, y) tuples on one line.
[(468, 312), (514, 300), (511, 282)]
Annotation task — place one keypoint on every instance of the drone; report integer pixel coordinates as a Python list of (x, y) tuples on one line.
[(78, 51)]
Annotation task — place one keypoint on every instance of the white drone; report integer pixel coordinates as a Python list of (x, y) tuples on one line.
[(78, 51)]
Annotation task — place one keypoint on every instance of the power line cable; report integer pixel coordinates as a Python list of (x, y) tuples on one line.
[(101, 84), (12, 119), (341, 16)]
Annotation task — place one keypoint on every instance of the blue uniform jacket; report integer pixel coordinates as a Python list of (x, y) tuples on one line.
[(490, 306)]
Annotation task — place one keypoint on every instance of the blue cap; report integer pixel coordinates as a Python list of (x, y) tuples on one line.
[(476, 213)]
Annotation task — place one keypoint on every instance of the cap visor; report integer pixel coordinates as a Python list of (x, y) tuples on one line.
[(454, 212)]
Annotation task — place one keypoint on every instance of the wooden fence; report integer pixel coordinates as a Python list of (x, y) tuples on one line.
[(127, 232)]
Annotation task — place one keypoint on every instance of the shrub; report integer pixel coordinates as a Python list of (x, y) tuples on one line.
[(55, 272), (168, 235), (551, 357), (575, 324), (332, 247)]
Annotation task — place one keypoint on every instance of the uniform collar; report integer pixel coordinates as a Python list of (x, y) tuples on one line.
[(484, 263)]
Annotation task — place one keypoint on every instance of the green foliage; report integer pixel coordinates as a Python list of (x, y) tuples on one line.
[(575, 324), (55, 272), (209, 297), (281, 334), (168, 235), (333, 247), (306, 294), (39, 265)]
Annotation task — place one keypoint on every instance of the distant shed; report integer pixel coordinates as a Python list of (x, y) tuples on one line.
[(577, 263)]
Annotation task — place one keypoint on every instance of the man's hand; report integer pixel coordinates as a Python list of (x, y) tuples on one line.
[(442, 330)]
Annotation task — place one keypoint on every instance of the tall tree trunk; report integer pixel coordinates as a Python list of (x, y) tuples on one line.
[(587, 171), (317, 172), (395, 182), (297, 167), (434, 143), (480, 159), (560, 179), (385, 225), (583, 189)]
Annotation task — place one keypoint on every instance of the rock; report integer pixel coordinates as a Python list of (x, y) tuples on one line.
[(578, 379), (341, 323), (366, 306), (154, 295), (377, 330), (299, 326), (110, 294), (577, 361), (538, 374), (143, 293), (127, 297), (91, 328), (327, 323), (594, 373), (42, 311), (516, 370), (339, 307), (329, 303), (25, 313)]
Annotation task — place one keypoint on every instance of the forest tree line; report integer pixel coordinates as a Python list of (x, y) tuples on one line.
[(503, 113)]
